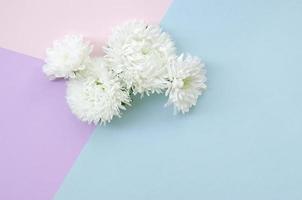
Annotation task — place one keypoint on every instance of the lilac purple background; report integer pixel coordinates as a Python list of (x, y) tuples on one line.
[(39, 137)]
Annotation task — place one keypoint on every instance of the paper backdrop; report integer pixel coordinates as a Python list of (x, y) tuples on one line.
[(242, 141)]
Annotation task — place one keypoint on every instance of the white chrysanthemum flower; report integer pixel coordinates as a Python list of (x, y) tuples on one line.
[(96, 96), (187, 78), (139, 53), (67, 57)]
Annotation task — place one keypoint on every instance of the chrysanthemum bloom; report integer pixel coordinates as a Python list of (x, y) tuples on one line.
[(139, 54), (96, 96), (187, 78), (67, 57)]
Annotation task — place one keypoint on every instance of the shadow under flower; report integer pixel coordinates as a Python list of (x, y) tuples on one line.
[(142, 109)]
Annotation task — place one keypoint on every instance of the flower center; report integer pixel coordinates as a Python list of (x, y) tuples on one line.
[(65, 57), (100, 84), (187, 82), (145, 50)]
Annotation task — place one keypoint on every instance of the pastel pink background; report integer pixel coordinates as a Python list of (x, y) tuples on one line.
[(30, 26)]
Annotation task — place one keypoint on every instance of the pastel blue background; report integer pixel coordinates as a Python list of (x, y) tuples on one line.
[(244, 138)]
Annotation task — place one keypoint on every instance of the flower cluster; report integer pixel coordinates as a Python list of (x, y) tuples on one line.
[(139, 59)]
